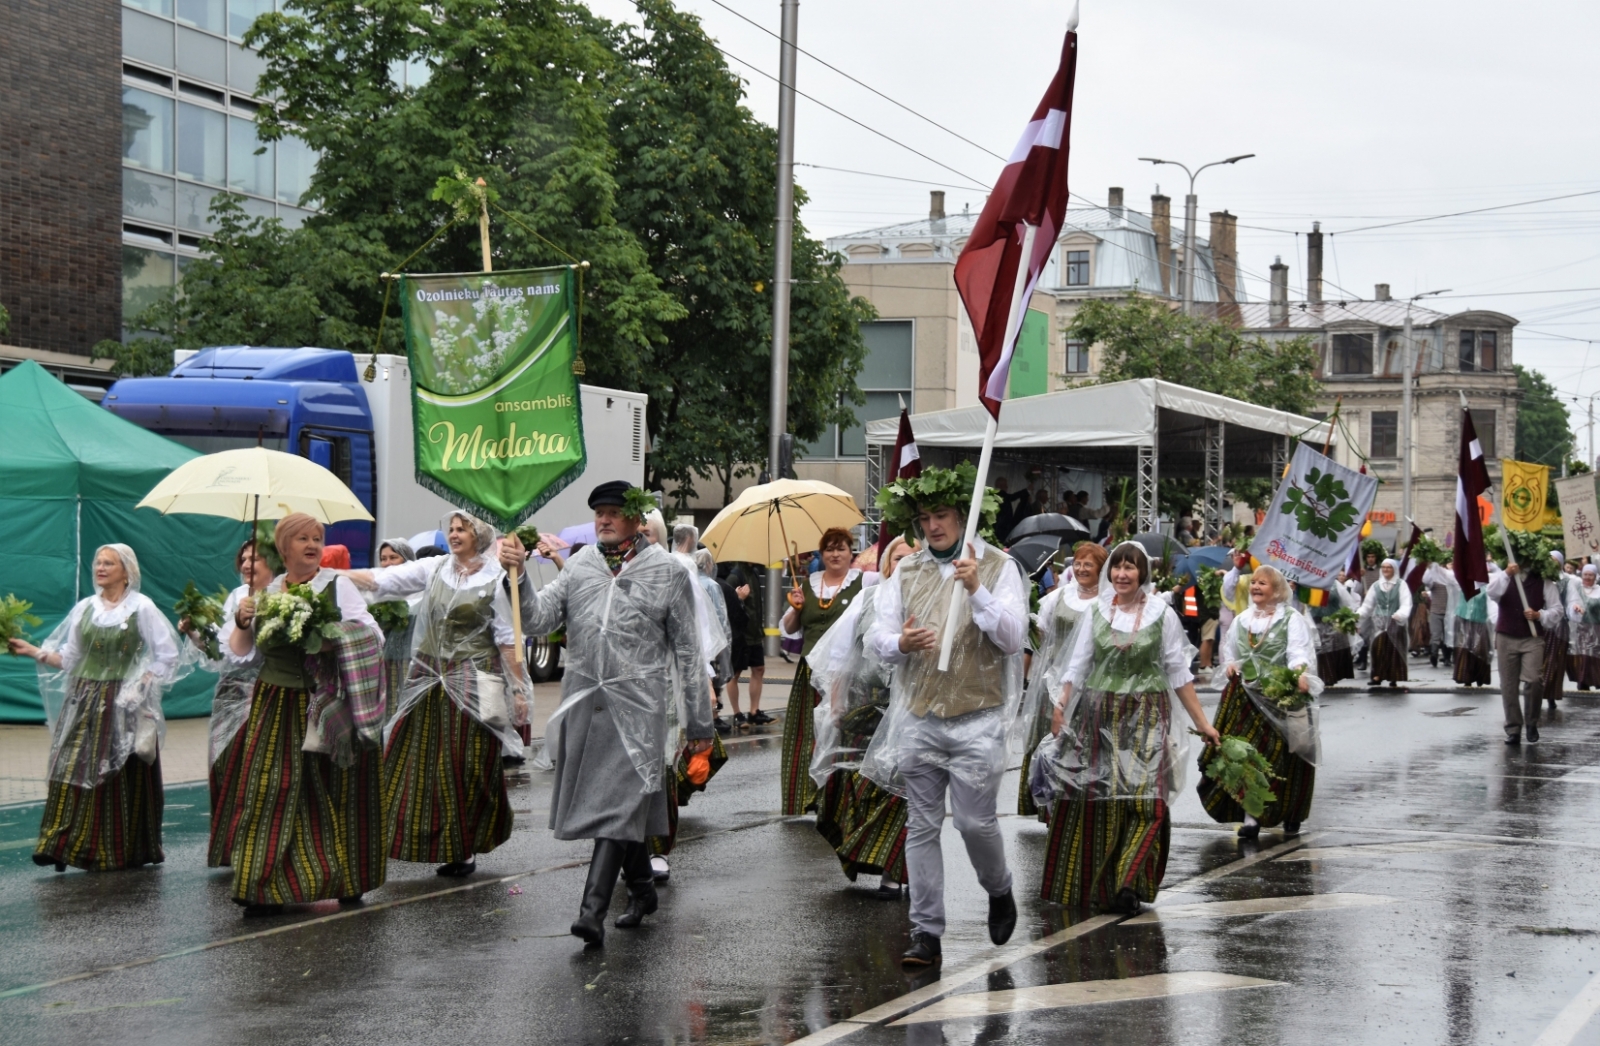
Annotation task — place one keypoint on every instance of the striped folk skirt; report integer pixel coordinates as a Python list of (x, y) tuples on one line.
[(679, 791), (117, 823), (1555, 661), (224, 780), (799, 792), (1583, 671), (865, 825), (1472, 653), (1100, 846), (303, 828), (1388, 657), (1294, 779), (444, 785)]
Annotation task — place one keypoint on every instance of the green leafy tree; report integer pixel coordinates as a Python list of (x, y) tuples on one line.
[(1544, 430)]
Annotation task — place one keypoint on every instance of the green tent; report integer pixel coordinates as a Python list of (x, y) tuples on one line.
[(70, 474)]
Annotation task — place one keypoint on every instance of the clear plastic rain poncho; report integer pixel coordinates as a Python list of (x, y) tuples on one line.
[(615, 627), (1386, 610), (959, 720), (1123, 732), (104, 704), (854, 686), (721, 656), (1059, 613), (1257, 643), (459, 626), (236, 680), (1583, 611)]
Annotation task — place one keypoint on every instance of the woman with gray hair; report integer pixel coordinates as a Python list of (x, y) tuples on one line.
[(459, 707), (1264, 639)]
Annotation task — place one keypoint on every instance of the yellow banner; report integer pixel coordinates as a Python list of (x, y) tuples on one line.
[(1524, 488)]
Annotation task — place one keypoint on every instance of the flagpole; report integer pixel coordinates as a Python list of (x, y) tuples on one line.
[(1013, 323), (1505, 541)]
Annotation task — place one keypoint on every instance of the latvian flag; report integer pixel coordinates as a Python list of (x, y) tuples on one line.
[(1472, 479), (906, 463)]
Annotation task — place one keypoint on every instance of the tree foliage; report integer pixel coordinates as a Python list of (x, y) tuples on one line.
[(1544, 432)]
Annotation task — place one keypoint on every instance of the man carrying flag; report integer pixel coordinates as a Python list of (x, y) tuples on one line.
[(1472, 481)]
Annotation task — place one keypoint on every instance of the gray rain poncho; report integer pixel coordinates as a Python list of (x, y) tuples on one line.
[(633, 647), (104, 704), (854, 686), (236, 680), (1285, 638)]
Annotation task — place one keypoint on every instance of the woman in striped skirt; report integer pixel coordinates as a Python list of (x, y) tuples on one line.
[(812, 609), (1474, 628), (1270, 634), (1583, 617), (1558, 640), (101, 674), (1385, 617), (397, 640), (306, 826), (1119, 757), (458, 711), (863, 822)]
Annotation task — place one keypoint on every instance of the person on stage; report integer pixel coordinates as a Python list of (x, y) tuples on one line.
[(632, 642), (230, 703), (308, 823), (813, 608), (1385, 621), (945, 733), (1529, 607), (1583, 614), (1059, 613), (102, 672), (864, 823), (1120, 752), (1271, 634), (463, 699)]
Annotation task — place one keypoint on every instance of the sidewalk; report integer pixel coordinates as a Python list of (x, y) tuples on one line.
[(25, 750)]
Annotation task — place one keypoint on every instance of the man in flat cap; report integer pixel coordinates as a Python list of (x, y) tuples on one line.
[(632, 643)]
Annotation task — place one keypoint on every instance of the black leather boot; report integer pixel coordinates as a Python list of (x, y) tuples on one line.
[(636, 872), (590, 924)]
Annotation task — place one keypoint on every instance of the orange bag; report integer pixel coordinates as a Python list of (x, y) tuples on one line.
[(699, 770)]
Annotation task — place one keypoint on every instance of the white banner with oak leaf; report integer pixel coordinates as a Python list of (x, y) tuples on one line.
[(1315, 519)]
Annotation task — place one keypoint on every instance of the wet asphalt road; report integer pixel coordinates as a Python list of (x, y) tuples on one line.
[(1446, 889)]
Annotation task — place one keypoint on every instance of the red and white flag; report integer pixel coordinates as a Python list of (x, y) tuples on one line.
[(905, 463), (1410, 570), (1472, 479), (1032, 190)]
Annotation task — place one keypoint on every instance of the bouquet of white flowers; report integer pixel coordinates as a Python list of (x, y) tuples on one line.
[(297, 616)]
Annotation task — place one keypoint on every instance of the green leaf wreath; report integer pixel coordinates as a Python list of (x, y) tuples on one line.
[(205, 615), (936, 488), (1242, 772), (1427, 550), (1374, 547), (14, 614), (638, 503), (1531, 549)]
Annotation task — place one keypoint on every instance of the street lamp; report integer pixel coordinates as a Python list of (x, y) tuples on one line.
[(1406, 367), (1189, 205)]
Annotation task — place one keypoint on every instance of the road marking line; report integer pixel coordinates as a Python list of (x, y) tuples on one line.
[(1574, 1016), (1532, 840), (1313, 902), (1327, 853), (1080, 993), (1189, 885)]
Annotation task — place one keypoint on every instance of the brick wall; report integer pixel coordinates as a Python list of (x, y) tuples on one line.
[(61, 172)]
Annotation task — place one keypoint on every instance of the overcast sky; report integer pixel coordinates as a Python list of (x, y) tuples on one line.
[(1359, 112)]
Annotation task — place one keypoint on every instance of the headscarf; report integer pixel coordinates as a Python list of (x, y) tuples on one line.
[(706, 562), (1560, 559), (1389, 582), (130, 564), (1590, 571), (400, 547), (482, 533), (1108, 591), (291, 527)]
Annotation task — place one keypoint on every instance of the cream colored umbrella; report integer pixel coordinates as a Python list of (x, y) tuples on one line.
[(772, 521), (254, 483)]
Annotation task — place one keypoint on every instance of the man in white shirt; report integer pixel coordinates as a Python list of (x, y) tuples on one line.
[(948, 729)]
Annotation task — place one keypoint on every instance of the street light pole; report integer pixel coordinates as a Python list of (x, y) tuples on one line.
[(1407, 365), (1190, 207), (782, 272)]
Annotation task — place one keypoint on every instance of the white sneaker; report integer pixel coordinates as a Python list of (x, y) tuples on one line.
[(659, 869)]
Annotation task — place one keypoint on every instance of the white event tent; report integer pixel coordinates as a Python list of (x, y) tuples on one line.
[(1145, 427)]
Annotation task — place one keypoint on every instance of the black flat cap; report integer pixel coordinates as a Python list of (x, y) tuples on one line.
[(612, 493)]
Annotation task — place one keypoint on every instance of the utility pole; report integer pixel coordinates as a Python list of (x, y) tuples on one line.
[(782, 274), (1190, 206), (1407, 365)]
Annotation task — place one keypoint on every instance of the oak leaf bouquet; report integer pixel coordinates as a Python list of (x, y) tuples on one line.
[(297, 617), (1242, 772), (205, 615), (391, 616), (14, 614), (1344, 620)]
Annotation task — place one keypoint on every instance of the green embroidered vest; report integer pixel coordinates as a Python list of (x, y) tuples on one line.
[(108, 652), (816, 619), (1133, 668)]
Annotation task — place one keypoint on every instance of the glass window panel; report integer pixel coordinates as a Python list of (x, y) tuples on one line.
[(1385, 434), (1468, 355), (241, 13), (147, 39), (1077, 268), (202, 144), (1488, 351), (194, 207), (1352, 354), (1077, 357), (155, 7), (248, 170), (146, 129), (147, 197), (888, 363), (296, 164), (853, 440), (825, 447), (146, 279), (202, 14)]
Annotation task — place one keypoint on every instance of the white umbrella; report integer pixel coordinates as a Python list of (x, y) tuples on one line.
[(772, 521), (254, 483)]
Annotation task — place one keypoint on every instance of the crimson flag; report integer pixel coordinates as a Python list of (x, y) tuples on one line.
[(1412, 572), (1472, 479), (1032, 190), (905, 463)]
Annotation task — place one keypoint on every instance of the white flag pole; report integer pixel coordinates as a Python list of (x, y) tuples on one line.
[(1013, 325)]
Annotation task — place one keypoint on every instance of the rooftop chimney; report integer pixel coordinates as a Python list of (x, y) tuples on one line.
[(1314, 264), (1225, 257), (1114, 202), (1161, 225), (936, 205), (1381, 292), (1278, 306)]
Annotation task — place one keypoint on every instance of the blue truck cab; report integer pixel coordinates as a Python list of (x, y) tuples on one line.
[(305, 401)]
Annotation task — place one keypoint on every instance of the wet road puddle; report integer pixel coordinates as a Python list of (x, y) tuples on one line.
[(1259, 906), (1325, 853), (1081, 993)]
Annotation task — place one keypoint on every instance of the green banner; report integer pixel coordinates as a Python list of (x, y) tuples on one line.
[(499, 422)]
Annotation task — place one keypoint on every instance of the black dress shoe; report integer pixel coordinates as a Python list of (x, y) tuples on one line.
[(641, 902), (1533, 734), (1002, 917), (258, 911), (1514, 739), (457, 869), (890, 891), (924, 950), (353, 901), (1249, 831), (1291, 828), (1127, 902)]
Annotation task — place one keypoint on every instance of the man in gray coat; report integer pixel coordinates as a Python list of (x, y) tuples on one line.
[(632, 644)]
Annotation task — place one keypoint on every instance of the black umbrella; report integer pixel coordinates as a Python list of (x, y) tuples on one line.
[(1064, 527), (1158, 546), (1033, 552)]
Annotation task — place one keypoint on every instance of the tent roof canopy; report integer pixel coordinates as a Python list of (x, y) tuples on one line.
[(1101, 427)]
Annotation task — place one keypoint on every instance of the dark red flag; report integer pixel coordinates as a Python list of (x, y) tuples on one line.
[(1412, 572), (905, 463), (1032, 190), (1472, 479)]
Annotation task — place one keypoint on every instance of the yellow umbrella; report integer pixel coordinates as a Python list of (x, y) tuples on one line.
[(772, 521), (254, 483)]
